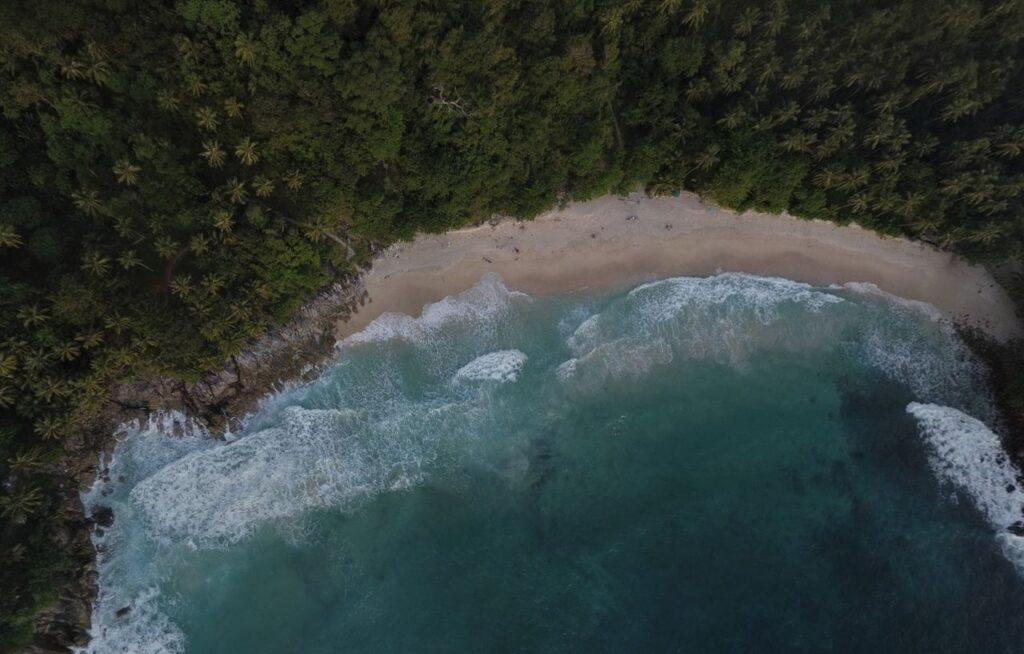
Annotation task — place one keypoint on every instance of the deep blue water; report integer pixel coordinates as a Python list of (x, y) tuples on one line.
[(695, 465)]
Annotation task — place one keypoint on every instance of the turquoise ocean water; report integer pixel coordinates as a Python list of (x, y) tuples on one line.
[(725, 464)]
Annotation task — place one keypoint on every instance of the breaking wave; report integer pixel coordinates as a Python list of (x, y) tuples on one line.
[(502, 366), (967, 455)]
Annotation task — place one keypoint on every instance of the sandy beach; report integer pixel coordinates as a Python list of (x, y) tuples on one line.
[(617, 241)]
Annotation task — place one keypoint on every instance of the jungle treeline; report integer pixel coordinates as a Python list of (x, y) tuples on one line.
[(177, 177)]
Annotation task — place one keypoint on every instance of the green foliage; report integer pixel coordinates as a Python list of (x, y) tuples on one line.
[(176, 177)]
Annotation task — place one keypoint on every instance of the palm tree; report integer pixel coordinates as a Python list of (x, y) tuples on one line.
[(926, 224), (826, 178), (213, 153), (822, 89), (118, 323), (50, 388), (994, 207), (733, 119), (49, 427), (909, 204), (747, 21), (293, 180), (18, 505), (246, 151), (960, 106), (168, 101), (793, 78), (1010, 149), (954, 186), (263, 186), (72, 68), (32, 316), (770, 70), (698, 12), (181, 286), (669, 7), (200, 244), (988, 234), (98, 71), (87, 201), (129, 259), (698, 89), (238, 312), (950, 237), (96, 264), (889, 166), (611, 24), (859, 202), (196, 87), (6, 396), (236, 190), (9, 237), (125, 228), (8, 364), (708, 159), (854, 179), (978, 196), (66, 351), (27, 460), (90, 339), (35, 360), (888, 103), (213, 282), (797, 141), (233, 108), (223, 221), (206, 119), (166, 247), (776, 19), (245, 50), (127, 172)]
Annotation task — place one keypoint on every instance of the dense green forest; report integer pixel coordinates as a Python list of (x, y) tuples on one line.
[(176, 177)]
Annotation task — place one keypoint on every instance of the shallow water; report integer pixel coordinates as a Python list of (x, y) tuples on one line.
[(730, 464)]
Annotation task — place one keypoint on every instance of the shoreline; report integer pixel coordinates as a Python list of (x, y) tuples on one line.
[(615, 242)]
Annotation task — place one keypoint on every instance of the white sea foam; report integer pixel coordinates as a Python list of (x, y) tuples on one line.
[(929, 311), (194, 492), (144, 448), (966, 454), (937, 368), (915, 344), (217, 496), (621, 360), (723, 318), (501, 366), (761, 296), (487, 299), (729, 317), (145, 629)]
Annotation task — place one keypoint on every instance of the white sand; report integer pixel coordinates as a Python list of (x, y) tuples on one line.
[(593, 245)]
